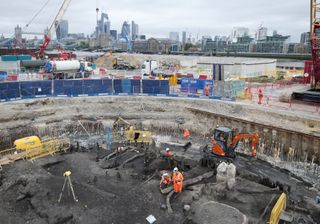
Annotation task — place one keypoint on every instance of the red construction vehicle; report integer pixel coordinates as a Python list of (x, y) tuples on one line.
[(52, 29), (315, 43), (224, 143)]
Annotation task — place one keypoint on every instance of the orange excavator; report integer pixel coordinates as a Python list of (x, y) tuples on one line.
[(223, 145)]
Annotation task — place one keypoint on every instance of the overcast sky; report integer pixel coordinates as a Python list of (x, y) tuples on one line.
[(157, 18)]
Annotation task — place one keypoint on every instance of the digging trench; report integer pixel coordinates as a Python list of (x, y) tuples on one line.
[(259, 182)]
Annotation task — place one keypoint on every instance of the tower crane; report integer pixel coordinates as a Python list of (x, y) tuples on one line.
[(315, 42), (53, 27)]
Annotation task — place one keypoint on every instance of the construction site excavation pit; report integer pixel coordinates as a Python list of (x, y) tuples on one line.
[(116, 179)]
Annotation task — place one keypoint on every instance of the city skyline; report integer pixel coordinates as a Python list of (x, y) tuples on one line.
[(198, 19)]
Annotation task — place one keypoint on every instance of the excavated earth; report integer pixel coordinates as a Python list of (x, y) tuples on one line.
[(109, 191)]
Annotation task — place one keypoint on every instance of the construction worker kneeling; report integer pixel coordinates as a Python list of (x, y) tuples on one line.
[(177, 179), (165, 181)]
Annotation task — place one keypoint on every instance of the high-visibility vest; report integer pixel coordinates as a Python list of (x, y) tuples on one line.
[(186, 133)]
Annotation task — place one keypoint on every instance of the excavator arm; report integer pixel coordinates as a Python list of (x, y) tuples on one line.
[(254, 141)]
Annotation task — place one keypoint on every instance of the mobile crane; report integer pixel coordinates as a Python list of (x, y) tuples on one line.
[(53, 27), (223, 145)]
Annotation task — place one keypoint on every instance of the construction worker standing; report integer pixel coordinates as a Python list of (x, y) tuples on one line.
[(260, 96), (168, 153), (177, 179), (169, 158), (207, 90)]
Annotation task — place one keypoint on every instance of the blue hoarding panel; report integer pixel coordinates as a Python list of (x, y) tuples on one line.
[(117, 84), (136, 86), (63, 87), (164, 87), (193, 86), (9, 91), (107, 86), (126, 86), (184, 85), (36, 88), (42, 88), (149, 86)]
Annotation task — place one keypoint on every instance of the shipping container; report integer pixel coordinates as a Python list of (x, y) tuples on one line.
[(15, 57), (9, 58), (24, 57)]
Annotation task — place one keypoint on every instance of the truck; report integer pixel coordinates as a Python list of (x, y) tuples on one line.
[(120, 64), (148, 67)]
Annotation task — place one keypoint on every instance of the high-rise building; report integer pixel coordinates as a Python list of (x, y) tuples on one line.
[(135, 30), (238, 32), (305, 38), (174, 36), (62, 30), (184, 37), (262, 33), (125, 31), (104, 25), (114, 34)]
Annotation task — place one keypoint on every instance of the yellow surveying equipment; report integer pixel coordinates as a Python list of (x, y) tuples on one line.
[(67, 180)]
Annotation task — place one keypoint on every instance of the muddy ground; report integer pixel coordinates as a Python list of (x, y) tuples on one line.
[(111, 193), (129, 193)]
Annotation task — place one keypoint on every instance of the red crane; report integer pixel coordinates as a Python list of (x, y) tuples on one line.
[(53, 27), (315, 43)]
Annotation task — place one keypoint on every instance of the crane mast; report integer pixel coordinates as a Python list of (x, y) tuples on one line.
[(53, 27), (315, 41)]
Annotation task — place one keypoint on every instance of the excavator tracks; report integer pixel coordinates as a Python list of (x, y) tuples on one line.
[(293, 144)]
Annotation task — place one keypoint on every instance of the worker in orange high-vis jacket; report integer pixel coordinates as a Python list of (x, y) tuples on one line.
[(186, 133), (165, 179), (207, 90), (177, 180), (260, 96)]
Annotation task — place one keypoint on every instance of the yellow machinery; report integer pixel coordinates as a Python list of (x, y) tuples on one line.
[(27, 143), (32, 147), (279, 207), (173, 80), (133, 136)]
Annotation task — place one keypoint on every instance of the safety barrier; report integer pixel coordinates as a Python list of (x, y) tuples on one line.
[(17, 90), (102, 87), (9, 91)]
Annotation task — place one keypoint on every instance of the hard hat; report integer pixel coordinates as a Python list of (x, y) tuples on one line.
[(175, 169), (67, 173), (167, 149), (165, 174)]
